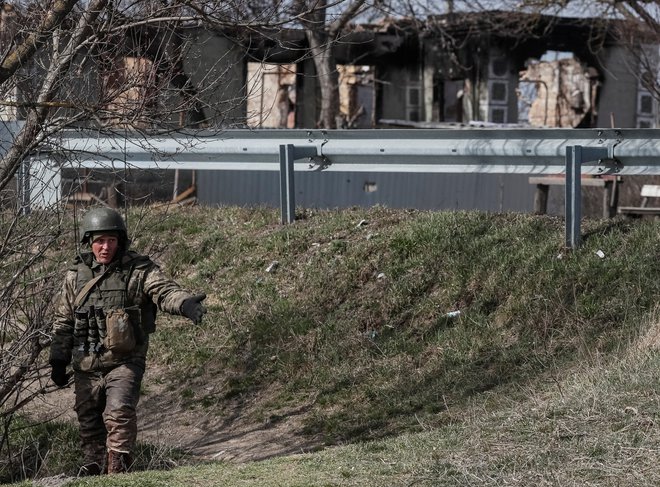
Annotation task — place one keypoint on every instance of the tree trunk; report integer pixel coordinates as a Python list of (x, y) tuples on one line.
[(328, 78)]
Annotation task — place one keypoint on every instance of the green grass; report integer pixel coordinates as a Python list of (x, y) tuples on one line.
[(356, 314), (594, 424), (545, 377)]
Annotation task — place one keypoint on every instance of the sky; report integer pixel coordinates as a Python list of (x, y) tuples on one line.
[(574, 8)]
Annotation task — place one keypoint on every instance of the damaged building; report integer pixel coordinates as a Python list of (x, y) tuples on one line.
[(502, 69), (456, 70)]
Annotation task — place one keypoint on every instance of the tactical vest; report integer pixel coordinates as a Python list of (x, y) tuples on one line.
[(115, 290)]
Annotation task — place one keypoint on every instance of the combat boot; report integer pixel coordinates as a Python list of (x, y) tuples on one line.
[(94, 460), (119, 462)]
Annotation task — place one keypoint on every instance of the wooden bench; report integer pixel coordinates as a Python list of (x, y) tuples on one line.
[(608, 183), (647, 192)]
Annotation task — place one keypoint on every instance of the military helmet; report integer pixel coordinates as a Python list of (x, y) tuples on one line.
[(100, 220)]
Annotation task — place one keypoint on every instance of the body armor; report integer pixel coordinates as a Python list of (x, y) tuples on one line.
[(115, 291), (133, 283)]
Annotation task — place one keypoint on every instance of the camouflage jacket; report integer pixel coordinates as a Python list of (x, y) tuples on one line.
[(134, 281)]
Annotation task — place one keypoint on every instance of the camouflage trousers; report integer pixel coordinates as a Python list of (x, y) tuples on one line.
[(106, 408)]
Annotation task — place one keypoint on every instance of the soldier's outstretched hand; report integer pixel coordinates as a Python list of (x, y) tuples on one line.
[(193, 309)]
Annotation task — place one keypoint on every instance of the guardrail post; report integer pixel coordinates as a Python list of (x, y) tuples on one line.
[(573, 199), (576, 156), (287, 184), (573, 210), (288, 154)]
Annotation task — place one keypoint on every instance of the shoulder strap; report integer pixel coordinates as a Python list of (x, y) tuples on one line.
[(88, 287)]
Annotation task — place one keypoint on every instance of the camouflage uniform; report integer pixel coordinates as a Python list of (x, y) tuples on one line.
[(107, 384)]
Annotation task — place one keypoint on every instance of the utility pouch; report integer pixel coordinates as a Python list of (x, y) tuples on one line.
[(93, 331), (135, 316), (120, 337), (100, 323), (81, 328)]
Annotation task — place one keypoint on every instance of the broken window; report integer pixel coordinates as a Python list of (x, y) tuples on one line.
[(356, 95), (271, 99), (498, 88), (558, 91), (646, 103)]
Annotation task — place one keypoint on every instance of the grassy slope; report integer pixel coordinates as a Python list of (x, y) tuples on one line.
[(546, 376)]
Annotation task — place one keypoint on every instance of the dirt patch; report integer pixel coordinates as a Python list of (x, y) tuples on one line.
[(55, 481), (202, 432), (227, 436)]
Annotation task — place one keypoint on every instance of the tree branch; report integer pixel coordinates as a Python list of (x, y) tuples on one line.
[(347, 15), (32, 132), (643, 14), (24, 51)]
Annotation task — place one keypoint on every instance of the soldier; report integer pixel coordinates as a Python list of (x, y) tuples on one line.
[(103, 317)]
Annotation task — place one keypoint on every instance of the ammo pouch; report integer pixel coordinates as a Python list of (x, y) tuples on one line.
[(120, 335)]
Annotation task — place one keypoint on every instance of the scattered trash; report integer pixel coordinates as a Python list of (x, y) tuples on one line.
[(453, 314), (600, 254), (273, 265), (371, 334), (361, 223), (381, 276), (560, 256), (631, 411)]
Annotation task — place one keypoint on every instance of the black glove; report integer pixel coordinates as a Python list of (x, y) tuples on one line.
[(58, 374), (192, 308)]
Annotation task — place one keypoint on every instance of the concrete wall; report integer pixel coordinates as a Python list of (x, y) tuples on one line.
[(393, 82), (618, 93), (219, 65)]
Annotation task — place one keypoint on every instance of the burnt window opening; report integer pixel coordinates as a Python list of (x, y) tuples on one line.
[(498, 115), (357, 95), (499, 68), (498, 91), (271, 95), (645, 104), (557, 90), (413, 102), (648, 81), (413, 96), (448, 100)]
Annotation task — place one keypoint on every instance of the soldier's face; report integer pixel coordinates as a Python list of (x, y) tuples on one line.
[(104, 248)]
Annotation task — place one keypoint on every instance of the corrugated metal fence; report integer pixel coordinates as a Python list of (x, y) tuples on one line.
[(372, 154)]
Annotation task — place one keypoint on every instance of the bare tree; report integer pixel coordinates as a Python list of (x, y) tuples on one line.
[(322, 34), (640, 32), (96, 65)]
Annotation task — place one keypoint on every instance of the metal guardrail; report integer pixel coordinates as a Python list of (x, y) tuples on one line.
[(572, 152), (523, 151)]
